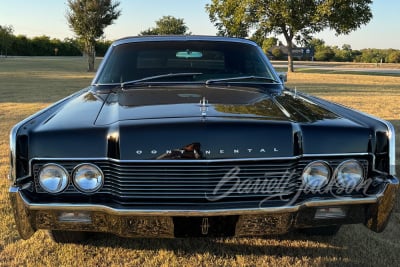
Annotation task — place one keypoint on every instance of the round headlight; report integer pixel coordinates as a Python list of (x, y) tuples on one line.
[(349, 174), (88, 178), (53, 178), (316, 174)]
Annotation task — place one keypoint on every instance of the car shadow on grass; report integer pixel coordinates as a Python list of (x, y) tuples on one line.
[(293, 247), (354, 245), (226, 247)]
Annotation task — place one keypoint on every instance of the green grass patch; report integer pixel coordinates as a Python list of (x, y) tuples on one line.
[(344, 72), (41, 79), (342, 68)]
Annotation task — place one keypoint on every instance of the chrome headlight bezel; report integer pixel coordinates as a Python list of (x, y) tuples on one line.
[(64, 176), (339, 176), (324, 179), (81, 183)]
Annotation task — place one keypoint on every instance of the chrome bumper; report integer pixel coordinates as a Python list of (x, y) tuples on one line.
[(30, 216)]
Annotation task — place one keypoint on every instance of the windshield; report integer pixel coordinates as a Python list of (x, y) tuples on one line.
[(173, 61)]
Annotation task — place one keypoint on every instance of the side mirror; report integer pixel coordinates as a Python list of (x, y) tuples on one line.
[(283, 76)]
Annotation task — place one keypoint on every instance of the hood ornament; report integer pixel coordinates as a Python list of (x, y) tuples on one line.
[(191, 151), (204, 107)]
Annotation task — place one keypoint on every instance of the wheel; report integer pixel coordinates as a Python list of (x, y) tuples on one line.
[(68, 236), (321, 231)]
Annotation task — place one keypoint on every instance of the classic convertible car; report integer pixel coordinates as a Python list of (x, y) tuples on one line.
[(182, 136)]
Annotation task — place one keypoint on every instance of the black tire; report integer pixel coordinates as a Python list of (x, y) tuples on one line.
[(64, 237), (321, 231)]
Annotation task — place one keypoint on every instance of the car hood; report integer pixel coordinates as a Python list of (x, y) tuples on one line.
[(184, 102), (198, 122)]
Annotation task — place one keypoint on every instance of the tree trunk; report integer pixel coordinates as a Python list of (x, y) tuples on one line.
[(91, 58), (91, 55), (289, 41), (290, 56)]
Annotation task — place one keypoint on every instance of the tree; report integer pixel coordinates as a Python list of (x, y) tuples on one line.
[(393, 56), (371, 55), (231, 17), (22, 46), (167, 25), (277, 53), (6, 37), (88, 19), (345, 54), (324, 53), (41, 45), (316, 43), (268, 43), (296, 20), (150, 31)]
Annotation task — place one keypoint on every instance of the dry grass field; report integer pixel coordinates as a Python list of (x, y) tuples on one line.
[(29, 84)]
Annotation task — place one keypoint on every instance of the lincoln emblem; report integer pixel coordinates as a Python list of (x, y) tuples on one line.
[(205, 226), (203, 107)]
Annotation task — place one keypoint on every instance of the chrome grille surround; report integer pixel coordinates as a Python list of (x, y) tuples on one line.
[(195, 182)]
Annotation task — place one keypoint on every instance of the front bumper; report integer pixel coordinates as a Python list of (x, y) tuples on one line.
[(373, 211)]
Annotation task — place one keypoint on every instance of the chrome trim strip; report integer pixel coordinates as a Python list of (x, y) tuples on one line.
[(188, 212), (156, 160), (191, 161), (165, 161), (200, 160), (392, 147), (337, 155), (135, 39)]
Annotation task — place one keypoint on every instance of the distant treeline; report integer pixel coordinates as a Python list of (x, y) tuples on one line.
[(336, 54), (323, 52), (44, 46), (346, 54), (11, 45)]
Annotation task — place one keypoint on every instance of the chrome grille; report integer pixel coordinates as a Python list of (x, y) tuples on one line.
[(197, 181), (181, 182), (194, 181)]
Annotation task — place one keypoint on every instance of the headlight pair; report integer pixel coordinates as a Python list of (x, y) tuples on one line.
[(347, 175), (87, 178)]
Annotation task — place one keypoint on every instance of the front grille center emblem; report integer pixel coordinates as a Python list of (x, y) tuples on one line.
[(205, 226), (204, 107)]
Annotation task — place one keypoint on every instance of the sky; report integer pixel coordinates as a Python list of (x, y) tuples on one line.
[(47, 17)]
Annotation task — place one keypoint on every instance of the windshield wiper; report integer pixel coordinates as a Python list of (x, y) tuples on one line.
[(150, 78), (240, 79)]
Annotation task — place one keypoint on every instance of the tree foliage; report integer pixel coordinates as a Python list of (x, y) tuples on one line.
[(167, 25), (6, 32), (268, 43), (296, 20), (393, 56), (88, 19), (45, 46), (231, 17)]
